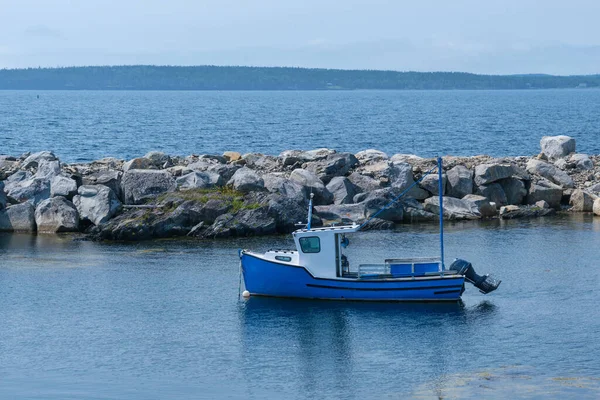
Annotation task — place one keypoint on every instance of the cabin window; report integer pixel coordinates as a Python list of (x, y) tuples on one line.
[(311, 244), (283, 258)]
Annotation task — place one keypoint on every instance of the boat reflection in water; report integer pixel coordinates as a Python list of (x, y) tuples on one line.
[(324, 347)]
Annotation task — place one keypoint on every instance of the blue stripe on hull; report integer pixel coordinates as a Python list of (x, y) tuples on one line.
[(268, 278)]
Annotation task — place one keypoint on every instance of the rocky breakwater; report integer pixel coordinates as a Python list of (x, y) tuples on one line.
[(225, 195)]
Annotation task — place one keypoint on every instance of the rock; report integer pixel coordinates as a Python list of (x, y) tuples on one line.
[(288, 212), (199, 180), (284, 187), (179, 170), (486, 209), (582, 201), (550, 172), (596, 207), (370, 155), (246, 180), (514, 212), (244, 223), (261, 161), (3, 198), (514, 189), (139, 185), (595, 188), (33, 190), (18, 218), (333, 165), (454, 209), (342, 190), (34, 160), (582, 162), (225, 170), (542, 204), (407, 158), (341, 213), (47, 169), (364, 183), (415, 212), (157, 158), (313, 185), (401, 178), (97, 203), (64, 186), (494, 192), (489, 173), (111, 179), (232, 156), (554, 147), (545, 190), (56, 214), (432, 185), (138, 163), (460, 182)]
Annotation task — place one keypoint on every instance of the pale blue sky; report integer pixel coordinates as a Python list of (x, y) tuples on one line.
[(508, 36)]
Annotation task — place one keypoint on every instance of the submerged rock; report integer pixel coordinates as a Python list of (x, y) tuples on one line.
[(514, 212)]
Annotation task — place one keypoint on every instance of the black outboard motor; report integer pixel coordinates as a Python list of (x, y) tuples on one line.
[(485, 283)]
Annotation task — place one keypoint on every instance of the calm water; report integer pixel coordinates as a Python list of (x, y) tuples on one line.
[(162, 320), (81, 126)]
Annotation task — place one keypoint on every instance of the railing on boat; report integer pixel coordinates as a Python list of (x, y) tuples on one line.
[(401, 267)]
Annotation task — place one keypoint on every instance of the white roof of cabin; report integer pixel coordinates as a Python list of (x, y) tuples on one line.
[(330, 229)]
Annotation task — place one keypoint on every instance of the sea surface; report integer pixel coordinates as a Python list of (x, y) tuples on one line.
[(162, 319), (88, 125)]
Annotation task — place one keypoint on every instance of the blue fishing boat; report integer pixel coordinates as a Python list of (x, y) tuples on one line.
[(319, 269)]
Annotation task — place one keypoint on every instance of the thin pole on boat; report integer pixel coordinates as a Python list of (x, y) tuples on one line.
[(441, 194), (310, 206)]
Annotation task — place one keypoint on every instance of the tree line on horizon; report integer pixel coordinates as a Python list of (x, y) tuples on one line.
[(147, 77)]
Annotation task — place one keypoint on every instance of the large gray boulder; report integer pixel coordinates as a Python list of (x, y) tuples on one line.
[(514, 189), (489, 173), (285, 187), (596, 207), (485, 208), (494, 192), (341, 213), (454, 209), (431, 183), (3, 198), (246, 180), (554, 147), (582, 201), (226, 171), (47, 169), (56, 214), (62, 185), (139, 185), (545, 190), (313, 184), (158, 159), (550, 172), (370, 155), (244, 223), (35, 159), (342, 190), (261, 161), (288, 212), (401, 178), (199, 180), (138, 163), (364, 183), (291, 157), (110, 178), (582, 162), (97, 203), (338, 164), (18, 218), (33, 190), (460, 182)]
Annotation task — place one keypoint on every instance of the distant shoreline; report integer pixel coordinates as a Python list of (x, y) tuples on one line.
[(225, 78)]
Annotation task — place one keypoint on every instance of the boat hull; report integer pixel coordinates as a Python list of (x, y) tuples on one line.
[(268, 278)]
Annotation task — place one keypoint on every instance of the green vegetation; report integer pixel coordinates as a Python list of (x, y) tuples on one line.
[(147, 77), (170, 201)]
